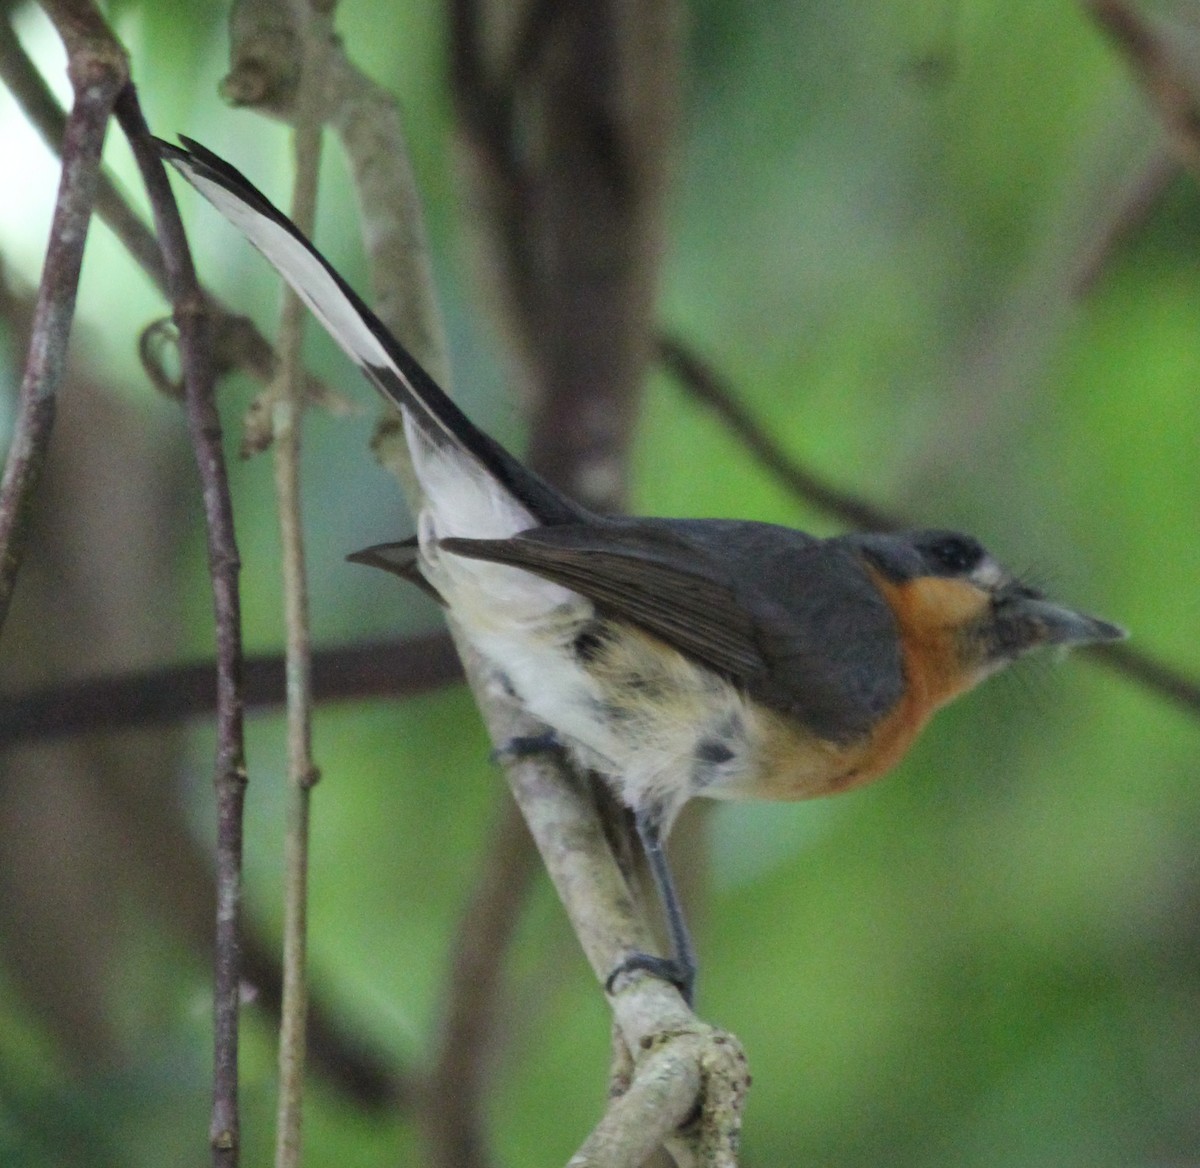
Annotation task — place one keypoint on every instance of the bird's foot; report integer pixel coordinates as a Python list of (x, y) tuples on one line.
[(668, 969)]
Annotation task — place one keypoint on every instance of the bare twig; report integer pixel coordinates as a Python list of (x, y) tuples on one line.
[(98, 69), (366, 118), (305, 78), (174, 693), (601, 910), (204, 426), (568, 113), (703, 382), (302, 771)]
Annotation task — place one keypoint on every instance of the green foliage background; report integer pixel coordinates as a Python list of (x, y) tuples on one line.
[(889, 229)]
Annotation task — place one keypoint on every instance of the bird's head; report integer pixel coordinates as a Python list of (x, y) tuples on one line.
[(962, 611)]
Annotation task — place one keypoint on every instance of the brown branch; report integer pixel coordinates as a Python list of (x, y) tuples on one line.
[(97, 69), (706, 385), (1159, 71), (174, 693), (204, 426)]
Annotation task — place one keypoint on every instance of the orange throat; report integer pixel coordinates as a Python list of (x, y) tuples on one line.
[(932, 614)]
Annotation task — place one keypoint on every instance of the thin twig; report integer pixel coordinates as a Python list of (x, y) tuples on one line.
[(703, 382), (288, 411), (98, 69), (204, 426)]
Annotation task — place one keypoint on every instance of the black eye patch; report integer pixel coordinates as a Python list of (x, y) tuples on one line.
[(954, 554)]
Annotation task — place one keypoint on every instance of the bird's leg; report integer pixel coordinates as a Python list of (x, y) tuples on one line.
[(683, 955), (680, 968)]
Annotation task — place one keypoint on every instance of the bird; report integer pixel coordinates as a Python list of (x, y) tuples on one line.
[(675, 658)]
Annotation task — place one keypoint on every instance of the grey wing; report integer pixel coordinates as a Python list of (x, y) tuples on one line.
[(667, 586)]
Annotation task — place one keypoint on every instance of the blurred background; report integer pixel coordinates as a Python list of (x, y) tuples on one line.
[(942, 253)]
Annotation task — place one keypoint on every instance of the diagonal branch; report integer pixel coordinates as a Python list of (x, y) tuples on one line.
[(703, 382), (682, 1063), (568, 113), (1160, 72)]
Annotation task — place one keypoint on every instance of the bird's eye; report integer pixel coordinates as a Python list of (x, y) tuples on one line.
[(955, 553)]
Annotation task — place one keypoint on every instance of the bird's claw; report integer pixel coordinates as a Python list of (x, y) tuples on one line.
[(676, 973)]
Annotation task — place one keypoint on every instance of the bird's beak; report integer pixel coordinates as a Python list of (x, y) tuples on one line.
[(1064, 626)]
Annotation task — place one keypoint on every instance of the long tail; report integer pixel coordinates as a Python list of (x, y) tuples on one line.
[(385, 362)]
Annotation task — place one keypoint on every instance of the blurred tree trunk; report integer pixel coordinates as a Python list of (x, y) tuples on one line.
[(92, 827)]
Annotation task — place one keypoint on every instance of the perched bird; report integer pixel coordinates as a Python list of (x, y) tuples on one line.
[(674, 657)]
